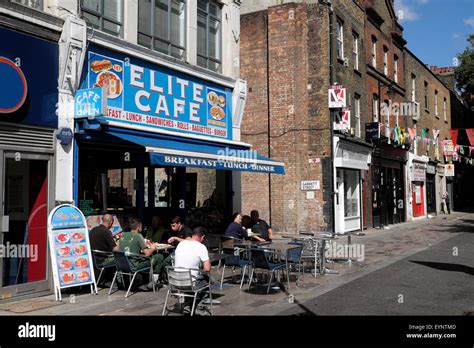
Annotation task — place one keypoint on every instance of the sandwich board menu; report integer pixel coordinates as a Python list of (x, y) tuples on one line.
[(70, 250)]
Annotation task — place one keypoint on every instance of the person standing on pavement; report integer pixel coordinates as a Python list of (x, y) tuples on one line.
[(101, 238), (447, 202)]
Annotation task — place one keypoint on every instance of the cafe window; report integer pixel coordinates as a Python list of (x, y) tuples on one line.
[(340, 39), (162, 185), (104, 15), (36, 4), (162, 26), (351, 193), (355, 50), (209, 36)]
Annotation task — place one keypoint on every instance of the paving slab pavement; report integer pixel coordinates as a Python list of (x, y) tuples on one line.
[(381, 249)]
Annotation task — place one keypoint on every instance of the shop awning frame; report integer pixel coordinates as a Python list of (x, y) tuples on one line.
[(175, 151)]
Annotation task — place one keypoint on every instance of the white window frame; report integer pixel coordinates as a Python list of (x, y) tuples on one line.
[(426, 90), (355, 49), (375, 108), (413, 87), (436, 102), (36, 4), (395, 68), (374, 51), (103, 17), (209, 59), (154, 36), (385, 61), (340, 39), (357, 114), (444, 109)]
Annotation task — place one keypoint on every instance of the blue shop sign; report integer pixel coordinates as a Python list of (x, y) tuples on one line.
[(28, 83), (90, 102), (65, 135), (14, 87), (67, 217), (152, 96)]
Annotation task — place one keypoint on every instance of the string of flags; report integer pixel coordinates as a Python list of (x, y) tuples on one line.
[(401, 135)]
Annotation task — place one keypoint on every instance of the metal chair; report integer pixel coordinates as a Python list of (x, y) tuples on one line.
[(293, 258), (233, 260), (100, 266), (310, 252), (182, 284), (124, 266), (260, 261)]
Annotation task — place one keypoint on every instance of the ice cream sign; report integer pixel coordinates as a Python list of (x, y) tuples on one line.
[(144, 94)]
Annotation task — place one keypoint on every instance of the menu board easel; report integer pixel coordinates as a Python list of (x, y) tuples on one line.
[(70, 250)]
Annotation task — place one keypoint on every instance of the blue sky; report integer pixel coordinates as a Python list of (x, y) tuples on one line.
[(436, 30)]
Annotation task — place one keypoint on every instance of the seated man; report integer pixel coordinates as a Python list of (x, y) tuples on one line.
[(135, 243), (101, 238), (180, 231), (157, 233), (261, 226), (191, 253)]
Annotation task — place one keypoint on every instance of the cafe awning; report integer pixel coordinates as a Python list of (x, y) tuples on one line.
[(183, 152)]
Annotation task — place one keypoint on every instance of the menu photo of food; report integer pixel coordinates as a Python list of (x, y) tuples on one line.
[(67, 278), (62, 237), (63, 251), (107, 72), (81, 262), (80, 249), (216, 107), (83, 276), (77, 237), (66, 264)]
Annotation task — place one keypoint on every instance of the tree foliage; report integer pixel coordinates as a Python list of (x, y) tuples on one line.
[(464, 72)]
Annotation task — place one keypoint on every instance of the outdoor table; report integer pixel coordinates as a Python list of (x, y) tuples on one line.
[(161, 247)]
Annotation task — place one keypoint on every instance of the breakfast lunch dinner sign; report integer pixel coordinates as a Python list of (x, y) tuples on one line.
[(69, 246), (141, 93)]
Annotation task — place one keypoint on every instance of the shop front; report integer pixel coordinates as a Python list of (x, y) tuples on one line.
[(28, 98), (169, 143), (431, 201), (388, 188), (418, 187), (351, 162)]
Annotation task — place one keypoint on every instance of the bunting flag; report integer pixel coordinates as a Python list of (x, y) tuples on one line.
[(412, 133), (402, 135), (470, 135), (461, 150), (388, 134), (395, 135), (454, 135), (424, 132), (455, 157), (435, 133), (471, 149)]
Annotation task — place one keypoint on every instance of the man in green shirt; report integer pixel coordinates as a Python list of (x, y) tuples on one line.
[(134, 242), (157, 233)]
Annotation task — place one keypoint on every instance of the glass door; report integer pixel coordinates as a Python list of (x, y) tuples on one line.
[(23, 214)]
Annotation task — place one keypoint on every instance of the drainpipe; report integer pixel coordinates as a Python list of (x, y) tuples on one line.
[(332, 80), (268, 123)]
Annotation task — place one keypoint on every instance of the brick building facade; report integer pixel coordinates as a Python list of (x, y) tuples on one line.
[(286, 59)]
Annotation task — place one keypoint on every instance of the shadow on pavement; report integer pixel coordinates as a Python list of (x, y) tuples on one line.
[(453, 267)]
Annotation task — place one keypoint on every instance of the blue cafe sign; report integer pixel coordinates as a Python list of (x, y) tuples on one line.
[(155, 97), (90, 102)]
